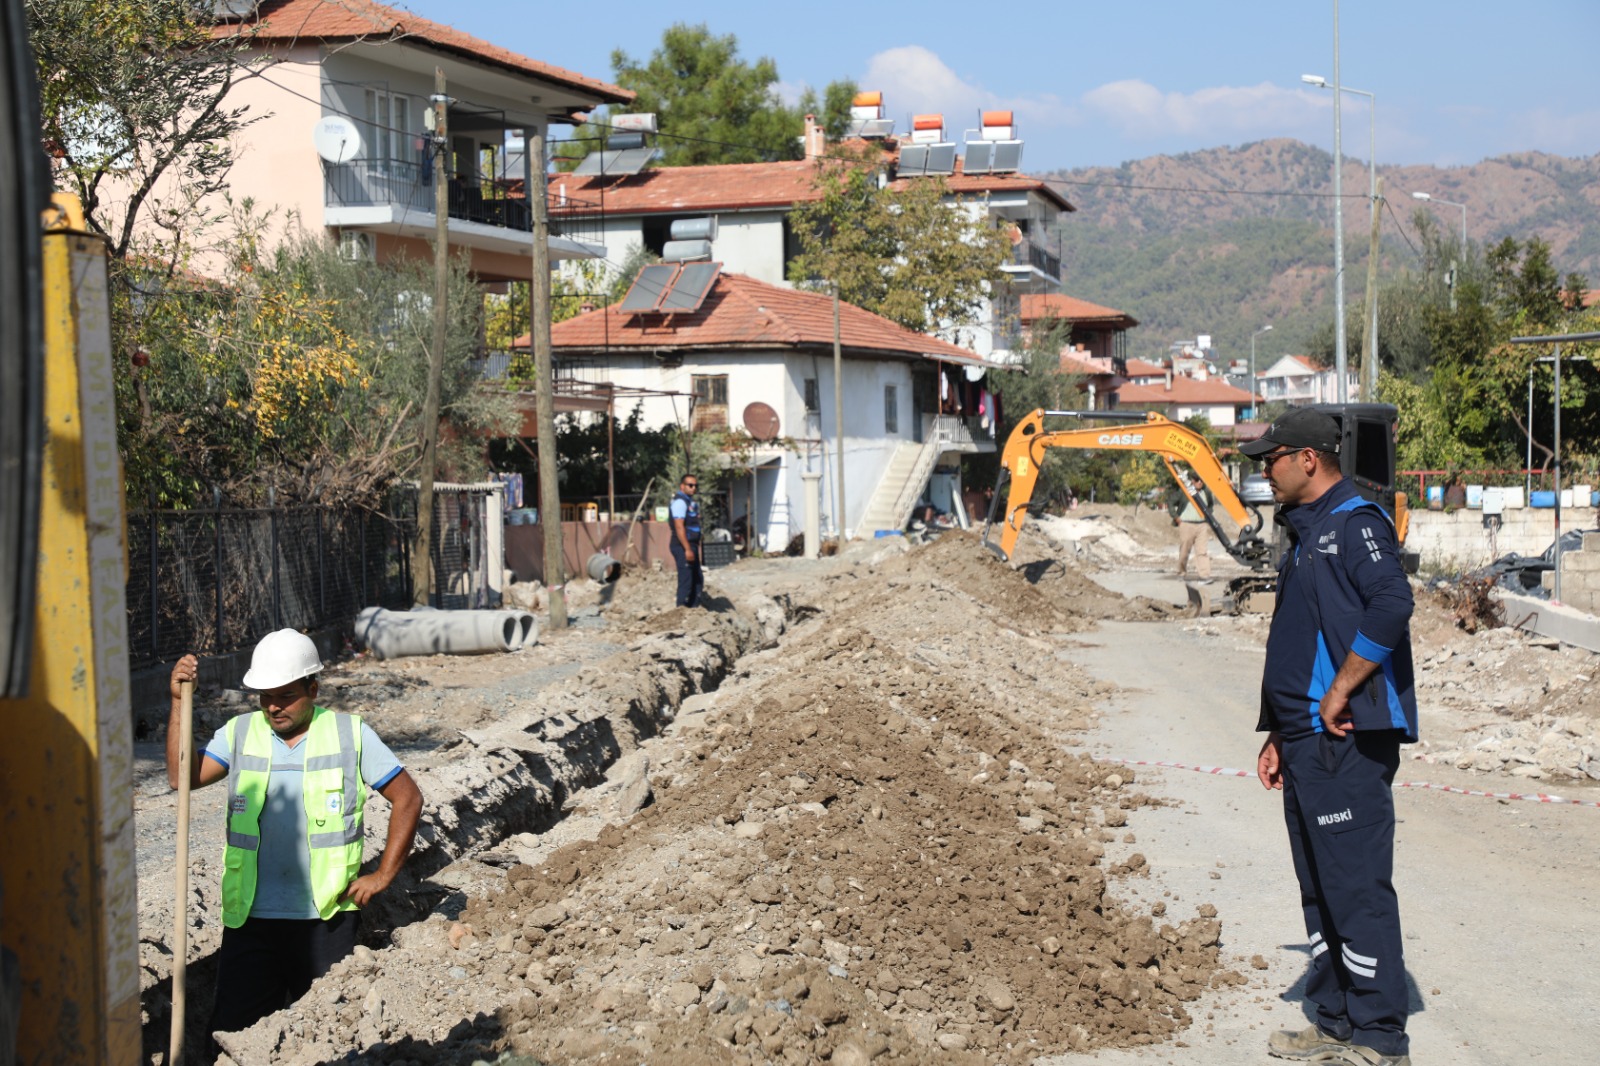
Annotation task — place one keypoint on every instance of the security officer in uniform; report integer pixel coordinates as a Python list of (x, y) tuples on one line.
[(1337, 701), (298, 777), (685, 515)]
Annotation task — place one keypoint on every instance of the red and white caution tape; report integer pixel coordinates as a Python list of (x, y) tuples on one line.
[(1224, 771)]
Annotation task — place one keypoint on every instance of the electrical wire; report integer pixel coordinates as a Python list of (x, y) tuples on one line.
[(1387, 206)]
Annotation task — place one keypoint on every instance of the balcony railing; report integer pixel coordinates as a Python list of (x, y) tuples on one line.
[(1025, 253), (409, 185)]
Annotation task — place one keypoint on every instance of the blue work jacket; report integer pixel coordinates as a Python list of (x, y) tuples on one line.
[(1341, 588)]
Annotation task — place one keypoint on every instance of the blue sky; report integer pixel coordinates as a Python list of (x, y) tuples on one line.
[(1098, 84)]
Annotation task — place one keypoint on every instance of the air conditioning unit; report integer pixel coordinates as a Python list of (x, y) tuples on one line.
[(356, 246)]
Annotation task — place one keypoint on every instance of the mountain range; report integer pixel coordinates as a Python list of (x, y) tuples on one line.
[(1227, 240)]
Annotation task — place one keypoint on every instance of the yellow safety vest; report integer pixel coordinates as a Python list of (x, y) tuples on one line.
[(335, 797)]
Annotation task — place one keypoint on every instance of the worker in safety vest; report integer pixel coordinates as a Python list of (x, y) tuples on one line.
[(298, 777)]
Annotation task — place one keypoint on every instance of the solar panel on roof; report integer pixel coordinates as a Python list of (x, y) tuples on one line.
[(941, 158), (1007, 156), (690, 288), (631, 160), (913, 160), (653, 283), (980, 157), (597, 163)]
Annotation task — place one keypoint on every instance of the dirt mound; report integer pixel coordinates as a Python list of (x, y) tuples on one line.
[(869, 844)]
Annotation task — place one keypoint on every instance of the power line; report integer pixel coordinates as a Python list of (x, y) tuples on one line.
[(1194, 189)]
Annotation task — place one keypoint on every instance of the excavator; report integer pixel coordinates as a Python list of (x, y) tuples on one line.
[(1366, 455)]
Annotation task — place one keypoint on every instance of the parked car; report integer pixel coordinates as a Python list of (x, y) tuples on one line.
[(1255, 489)]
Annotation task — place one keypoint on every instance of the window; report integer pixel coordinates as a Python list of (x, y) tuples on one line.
[(891, 409), (711, 389), (711, 402), (388, 126), (813, 399)]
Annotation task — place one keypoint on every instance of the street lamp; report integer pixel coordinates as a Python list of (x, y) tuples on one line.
[(1429, 198), (1340, 353), (1253, 336), (1371, 345)]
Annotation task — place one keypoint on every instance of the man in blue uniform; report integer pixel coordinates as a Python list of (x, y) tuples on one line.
[(685, 515), (1337, 702)]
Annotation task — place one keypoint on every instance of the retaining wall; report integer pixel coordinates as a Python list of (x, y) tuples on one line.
[(1458, 540)]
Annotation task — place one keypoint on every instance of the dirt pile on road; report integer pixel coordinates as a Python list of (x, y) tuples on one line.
[(868, 845)]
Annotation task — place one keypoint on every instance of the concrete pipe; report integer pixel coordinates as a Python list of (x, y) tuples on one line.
[(392, 634), (603, 568)]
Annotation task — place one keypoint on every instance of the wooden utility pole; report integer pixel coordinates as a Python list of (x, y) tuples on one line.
[(1369, 347), (555, 578), (422, 558)]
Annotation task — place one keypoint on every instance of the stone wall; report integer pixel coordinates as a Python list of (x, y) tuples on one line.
[(1580, 576), (1457, 540)]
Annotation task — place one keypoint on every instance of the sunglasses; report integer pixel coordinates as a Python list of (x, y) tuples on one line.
[(1272, 457)]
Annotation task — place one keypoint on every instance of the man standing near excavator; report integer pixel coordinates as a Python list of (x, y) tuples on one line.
[(298, 777), (1337, 701)]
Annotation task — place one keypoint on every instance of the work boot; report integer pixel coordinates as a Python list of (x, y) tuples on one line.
[(1309, 1044), (1356, 1055)]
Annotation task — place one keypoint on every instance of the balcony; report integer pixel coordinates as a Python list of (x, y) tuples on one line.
[(1030, 261), (397, 195)]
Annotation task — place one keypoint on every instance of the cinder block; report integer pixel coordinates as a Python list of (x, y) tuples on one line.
[(1547, 580), (1591, 543), (1584, 562)]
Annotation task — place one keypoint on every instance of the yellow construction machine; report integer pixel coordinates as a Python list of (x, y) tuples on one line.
[(1366, 455), (69, 923)]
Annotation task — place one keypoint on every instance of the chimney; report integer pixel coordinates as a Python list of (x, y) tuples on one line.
[(816, 138), (586, 307), (1169, 379)]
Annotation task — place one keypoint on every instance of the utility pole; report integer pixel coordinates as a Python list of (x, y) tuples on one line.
[(1369, 358), (1340, 349), (422, 558), (838, 415), (555, 578)]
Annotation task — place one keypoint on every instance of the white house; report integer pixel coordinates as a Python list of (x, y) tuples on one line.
[(1297, 380), (752, 201), (758, 356)]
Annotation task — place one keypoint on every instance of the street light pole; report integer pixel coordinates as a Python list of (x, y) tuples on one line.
[(1371, 344), (1340, 350), (1429, 198), (1264, 329)]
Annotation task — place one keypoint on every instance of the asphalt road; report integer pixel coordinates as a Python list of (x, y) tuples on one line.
[(1497, 897)]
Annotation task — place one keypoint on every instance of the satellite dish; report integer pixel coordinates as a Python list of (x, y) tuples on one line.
[(761, 421), (337, 139)]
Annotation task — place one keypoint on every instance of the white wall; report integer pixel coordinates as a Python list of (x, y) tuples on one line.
[(777, 379)]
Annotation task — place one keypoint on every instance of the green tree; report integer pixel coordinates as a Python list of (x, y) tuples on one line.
[(908, 254), (135, 113), (302, 372), (714, 107)]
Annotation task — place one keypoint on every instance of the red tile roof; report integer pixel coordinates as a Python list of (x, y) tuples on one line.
[(1036, 306), (732, 186), (1184, 390), (741, 312), (293, 20), (1143, 368), (1071, 364)]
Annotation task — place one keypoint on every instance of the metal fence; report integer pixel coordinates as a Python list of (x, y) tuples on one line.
[(215, 581)]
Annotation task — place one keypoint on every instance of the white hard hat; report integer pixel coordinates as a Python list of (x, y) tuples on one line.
[(281, 658)]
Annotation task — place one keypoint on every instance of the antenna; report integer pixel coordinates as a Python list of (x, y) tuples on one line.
[(337, 139)]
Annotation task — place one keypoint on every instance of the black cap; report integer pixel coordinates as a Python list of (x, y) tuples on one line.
[(1300, 428)]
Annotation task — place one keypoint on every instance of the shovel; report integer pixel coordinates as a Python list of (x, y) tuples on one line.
[(180, 914)]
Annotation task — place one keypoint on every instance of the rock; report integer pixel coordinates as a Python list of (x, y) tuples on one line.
[(634, 791), (681, 994), (951, 1041), (764, 888), (991, 995), (749, 830), (547, 916)]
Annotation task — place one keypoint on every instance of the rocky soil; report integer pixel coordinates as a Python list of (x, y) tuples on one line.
[(838, 817)]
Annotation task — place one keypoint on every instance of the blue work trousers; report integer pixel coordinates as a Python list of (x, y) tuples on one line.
[(691, 579), (1339, 807)]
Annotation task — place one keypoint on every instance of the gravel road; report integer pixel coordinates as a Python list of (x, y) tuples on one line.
[(1497, 896)]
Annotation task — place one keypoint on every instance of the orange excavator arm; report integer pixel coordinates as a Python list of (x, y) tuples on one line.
[(1174, 442)]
